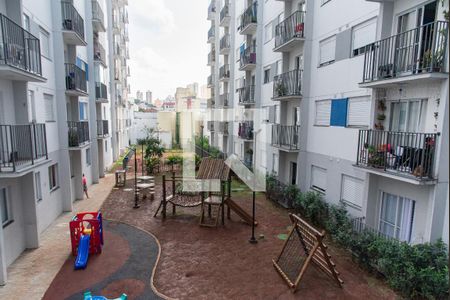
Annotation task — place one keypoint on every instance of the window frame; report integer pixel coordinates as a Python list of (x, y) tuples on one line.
[(38, 186), (330, 39), (266, 75), (315, 187), (346, 201), (88, 156), (53, 116), (268, 34), (43, 31), (362, 50), (315, 113), (359, 98), (53, 182), (9, 214)]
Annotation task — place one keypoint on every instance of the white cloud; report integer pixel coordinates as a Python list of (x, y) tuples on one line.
[(152, 15)]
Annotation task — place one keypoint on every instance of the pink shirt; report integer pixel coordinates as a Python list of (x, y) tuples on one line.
[(84, 181)]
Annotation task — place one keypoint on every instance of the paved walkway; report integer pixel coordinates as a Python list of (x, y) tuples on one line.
[(31, 274)]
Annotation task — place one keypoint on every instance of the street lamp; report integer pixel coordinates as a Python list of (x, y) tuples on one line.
[(253, 240)]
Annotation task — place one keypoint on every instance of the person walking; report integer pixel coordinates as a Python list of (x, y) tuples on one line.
[(85, 189)]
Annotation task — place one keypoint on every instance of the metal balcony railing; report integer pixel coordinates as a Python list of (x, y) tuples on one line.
[(211, 33), (210, 125), (102, 128), (211, 80), (224, 12), (72, 19), (99, 52), (404, 153), (21, 146), (19, 48), (419, 50), (224, 72), (245, 130), (248, 56), (249, 16), (290, 28), (101, 91), (78, 133), (247, 95), (224, 99), (288, 84), (211, 10), (97, 13), (223, 128), (225, 42), (211, 57), (286, 136), (75, 78)]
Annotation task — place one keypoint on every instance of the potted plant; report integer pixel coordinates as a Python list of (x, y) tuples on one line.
[(381, 105), (280, 89), (381, 117)]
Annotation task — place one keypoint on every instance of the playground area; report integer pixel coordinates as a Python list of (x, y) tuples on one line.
[(202, 262)]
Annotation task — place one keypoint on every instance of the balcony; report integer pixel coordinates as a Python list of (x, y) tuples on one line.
[(20, 54), (101, 93), (73, 25), (224, 100), (76, 84), (210, 126), (248, 20), (225, 15), (98, 17), (247, 60), (210, 103), (225, 45), (224, 73), (290, 33), (211, 58), (22, 146), (246, 95), (211, 34), (211, 10), (211, 81), (78, 133), (404, 154), (415, 55), (286, 137), (223, 128), (288, 86), (102, 129), (100, 54), (245, 130)]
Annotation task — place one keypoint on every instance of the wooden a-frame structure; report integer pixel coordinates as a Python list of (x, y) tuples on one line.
[(291, 264)]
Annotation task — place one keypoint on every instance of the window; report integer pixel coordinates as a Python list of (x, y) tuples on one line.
[(396, 216), (406, 116), (279, 67), (297, 116), (44, 38), (327, 50), (83, 111), (49, 108), (26, 22), (268, 32), (293, 172), (267, 75), (352, 191), (53, 177), (88, 156), (5, 209), (38, 186), (275, 164), (359, 111), (323, 108), (318, 179), (31, 107), (339, 112), (362, 35)]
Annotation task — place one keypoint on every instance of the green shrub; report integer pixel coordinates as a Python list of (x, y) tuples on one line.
[(311, 206)]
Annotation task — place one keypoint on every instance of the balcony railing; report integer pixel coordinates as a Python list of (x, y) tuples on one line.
[(224, 99), (211, 33), (211, 80), (247, 95), (225, 42), (416, 51), (245, 130), (211, 10), (249, 16), (223, 128), (286, 136), (210, 125), (211, 57), (78, 133), (247, 57), (403, 153), (72, 19), (97, 13), (101, 91), (75, 78), (19, 48), (224, 12), (224, 72), (288, 84), (99, 53), (102, 128), (290, 28), (21, 146)]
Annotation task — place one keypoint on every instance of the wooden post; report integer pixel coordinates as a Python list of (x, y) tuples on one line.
[(229, 196), (164, 196), (222, 193), (173, 193)]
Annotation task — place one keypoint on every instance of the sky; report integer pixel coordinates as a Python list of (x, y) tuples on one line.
[(167, 45)]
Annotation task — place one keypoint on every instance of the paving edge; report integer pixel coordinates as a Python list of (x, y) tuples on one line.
[(155, 290)]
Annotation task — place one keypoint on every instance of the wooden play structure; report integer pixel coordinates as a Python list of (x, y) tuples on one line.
[(304, 245), (212, 203)]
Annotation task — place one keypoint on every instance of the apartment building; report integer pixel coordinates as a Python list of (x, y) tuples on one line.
[(351, 101), (55, 113)]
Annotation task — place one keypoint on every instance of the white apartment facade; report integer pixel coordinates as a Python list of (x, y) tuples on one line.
[(353, 100), (55, 113)]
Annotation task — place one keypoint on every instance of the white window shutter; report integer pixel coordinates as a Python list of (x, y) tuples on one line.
[(318, 178), (323, 112), (49, 108), (327, 50), (364, 34), (352, 190), (272, 114), (359, 111)]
